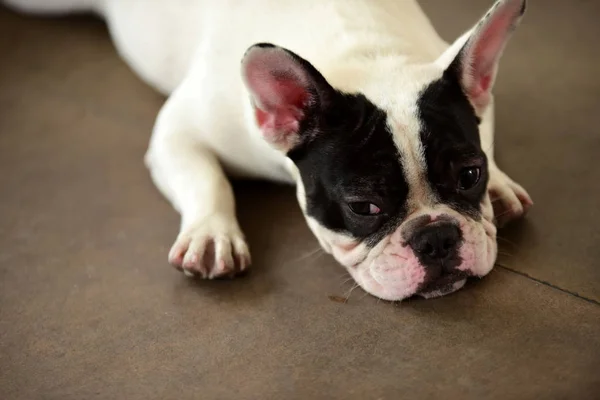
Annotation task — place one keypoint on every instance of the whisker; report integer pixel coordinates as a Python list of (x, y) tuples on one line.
[(496, 199), (502, 214), (346, 281), (350, 292), (505, 240), (491, 147), (317, 251)]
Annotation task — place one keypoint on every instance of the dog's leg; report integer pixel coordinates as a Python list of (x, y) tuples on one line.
[(210, 243), (508, 198)]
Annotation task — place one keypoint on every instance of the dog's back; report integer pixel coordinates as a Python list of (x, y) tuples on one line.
[(158, 39)]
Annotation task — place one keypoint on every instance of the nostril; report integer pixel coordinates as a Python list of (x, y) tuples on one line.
[(436, 241), (428, 249), (449, 244)]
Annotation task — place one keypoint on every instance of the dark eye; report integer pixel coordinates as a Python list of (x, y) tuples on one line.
[(468, 177), (364, 208)]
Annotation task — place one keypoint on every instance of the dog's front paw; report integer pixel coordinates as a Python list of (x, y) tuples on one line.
[(212, 248), (509, 199)]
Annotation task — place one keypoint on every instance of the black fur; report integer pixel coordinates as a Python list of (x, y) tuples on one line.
[(450, 136), (352, 158)]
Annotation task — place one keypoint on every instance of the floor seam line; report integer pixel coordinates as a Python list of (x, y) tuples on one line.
[(550, 285)]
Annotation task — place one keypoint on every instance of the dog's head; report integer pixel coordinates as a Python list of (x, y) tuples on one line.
[(392, 179)]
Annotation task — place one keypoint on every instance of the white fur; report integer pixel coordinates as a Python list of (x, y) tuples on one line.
[(191, 50)]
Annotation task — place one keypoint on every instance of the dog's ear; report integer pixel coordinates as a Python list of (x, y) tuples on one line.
[(286, 92), (476, 64)]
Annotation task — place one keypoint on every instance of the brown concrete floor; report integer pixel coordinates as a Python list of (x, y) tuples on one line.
[(90, 309)]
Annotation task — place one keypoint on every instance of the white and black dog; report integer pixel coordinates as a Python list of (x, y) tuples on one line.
[(385, 129)]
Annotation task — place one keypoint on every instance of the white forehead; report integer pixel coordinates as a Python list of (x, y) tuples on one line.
[(394, 86), (398, 93), (397, 90)]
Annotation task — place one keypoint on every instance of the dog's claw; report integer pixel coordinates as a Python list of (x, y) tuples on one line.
[(509, 200), (210, 249)]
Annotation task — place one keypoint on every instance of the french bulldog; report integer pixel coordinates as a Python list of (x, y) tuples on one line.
[(384, 128)]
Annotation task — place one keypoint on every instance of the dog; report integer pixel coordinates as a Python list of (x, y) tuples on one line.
[(385, 129)]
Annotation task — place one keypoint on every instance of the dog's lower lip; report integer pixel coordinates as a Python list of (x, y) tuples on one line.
[(444, 283)]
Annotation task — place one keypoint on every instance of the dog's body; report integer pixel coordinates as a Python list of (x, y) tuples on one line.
[(386, 130)]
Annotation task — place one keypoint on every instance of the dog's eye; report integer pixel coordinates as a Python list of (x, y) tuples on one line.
[(468, 177), (364, 208)]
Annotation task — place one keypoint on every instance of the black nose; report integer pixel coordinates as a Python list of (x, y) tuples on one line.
[(436, 241)]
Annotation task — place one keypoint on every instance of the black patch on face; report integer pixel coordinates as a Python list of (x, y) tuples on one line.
[(450, 136), (351, 157), (345, 154)]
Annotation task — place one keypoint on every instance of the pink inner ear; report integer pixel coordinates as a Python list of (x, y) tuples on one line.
[(276, 124), (279, 107), (281, 89), (486, 51), (481, 87)]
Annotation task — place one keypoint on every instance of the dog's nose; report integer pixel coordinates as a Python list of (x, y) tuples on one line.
[(436, 241)]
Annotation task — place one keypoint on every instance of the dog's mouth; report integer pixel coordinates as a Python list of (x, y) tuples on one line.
[(444, 285)]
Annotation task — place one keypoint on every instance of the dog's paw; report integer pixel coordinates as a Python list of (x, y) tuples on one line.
[(509, 199), (212, 248)]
